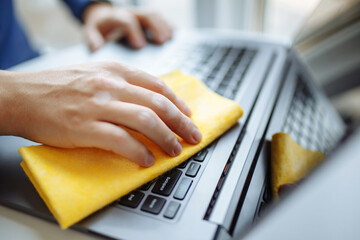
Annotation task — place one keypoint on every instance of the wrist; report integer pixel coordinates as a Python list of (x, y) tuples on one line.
[(9, 101), (93, 7)]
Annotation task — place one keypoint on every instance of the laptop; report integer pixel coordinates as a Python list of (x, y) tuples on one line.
[(225, 187), (324, 206)]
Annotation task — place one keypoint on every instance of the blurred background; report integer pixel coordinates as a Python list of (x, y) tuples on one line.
[(279, 18)]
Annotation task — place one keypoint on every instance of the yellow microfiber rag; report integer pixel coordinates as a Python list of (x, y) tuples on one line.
[(290, 162), (74, 183)]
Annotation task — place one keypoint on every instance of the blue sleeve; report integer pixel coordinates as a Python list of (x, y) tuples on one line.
[(77, 7), (14, 45)]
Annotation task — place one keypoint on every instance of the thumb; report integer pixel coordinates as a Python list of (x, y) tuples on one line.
[(94, 38)]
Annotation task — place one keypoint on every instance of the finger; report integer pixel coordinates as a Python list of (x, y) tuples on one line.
[(160, 31), (158, 28), (94, 38), (133, 30), (115, 35), (165, 109), (109, 137), (145, 80), (143, 120)]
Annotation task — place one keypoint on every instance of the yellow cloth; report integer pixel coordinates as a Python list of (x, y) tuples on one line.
[(290, 162), (77, 182)]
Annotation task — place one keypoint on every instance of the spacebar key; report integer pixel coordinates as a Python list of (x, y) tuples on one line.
[(166, 183)]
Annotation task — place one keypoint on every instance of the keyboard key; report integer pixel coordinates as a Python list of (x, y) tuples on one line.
[(132, 199), (171, 210), (153, 204), (183, 188), (166, 183), (183, 165), (146, 186), (193, 169), (200, 156)]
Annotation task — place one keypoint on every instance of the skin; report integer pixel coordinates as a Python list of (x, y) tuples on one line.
[(103, 22), (82, 106)]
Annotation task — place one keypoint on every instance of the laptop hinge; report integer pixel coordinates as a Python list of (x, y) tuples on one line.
[(263, 144), (234, 150), (251, 138)]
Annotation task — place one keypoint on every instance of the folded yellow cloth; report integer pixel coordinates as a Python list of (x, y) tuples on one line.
[(290, 162), (77, 182)]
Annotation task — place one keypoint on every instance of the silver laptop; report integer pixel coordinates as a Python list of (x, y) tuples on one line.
[(223, 189), (324, 206)]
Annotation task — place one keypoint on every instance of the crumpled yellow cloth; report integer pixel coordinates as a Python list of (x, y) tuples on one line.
[(290, 162), (77, 182)]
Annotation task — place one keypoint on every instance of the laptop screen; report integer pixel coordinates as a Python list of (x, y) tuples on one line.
[(329, 44)]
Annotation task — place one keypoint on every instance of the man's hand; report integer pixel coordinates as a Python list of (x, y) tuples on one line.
[(105, 22), (82, 106)]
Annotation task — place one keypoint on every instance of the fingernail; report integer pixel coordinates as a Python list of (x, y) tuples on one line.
[(96, 46), (196, 136), (150, 160), (177, 149), (161, 38), (139, 43)]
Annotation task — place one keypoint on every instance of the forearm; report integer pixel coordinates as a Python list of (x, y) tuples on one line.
[(8, 102), (21, 94)]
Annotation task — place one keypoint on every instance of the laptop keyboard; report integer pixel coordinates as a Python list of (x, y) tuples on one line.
[(307, 123), (222, 69), (164, 196)]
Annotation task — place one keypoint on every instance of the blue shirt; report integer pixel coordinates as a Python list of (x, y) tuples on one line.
[(14, 45)]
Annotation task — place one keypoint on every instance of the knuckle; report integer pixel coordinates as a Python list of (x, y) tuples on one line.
[(149, 13), (111, 65), (100, 98), (115, 64), (141, 154), (119, 138), (179, 101), (165, 106), (73, 118), (182, 124), (133, 72), (97, 83), (170, 141), (103, 83), (147, 118), (129, 21), (160, 102), (161, 87)]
